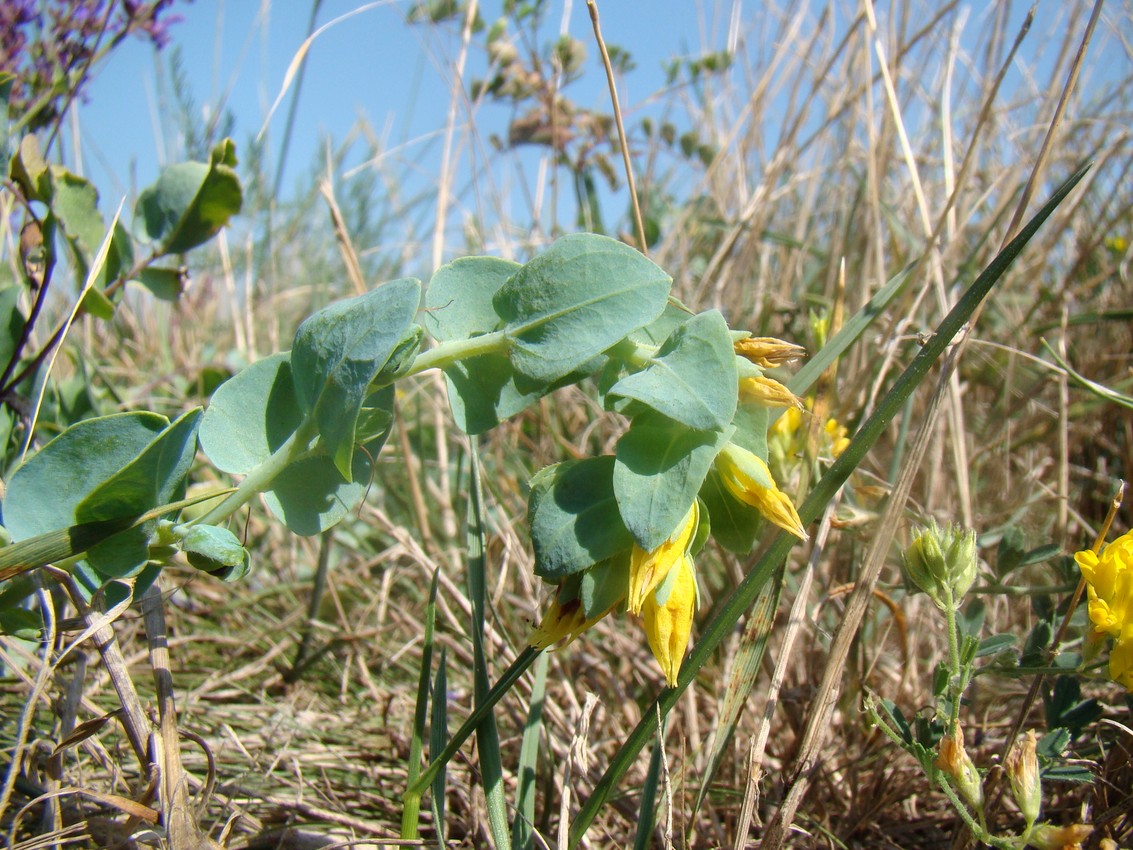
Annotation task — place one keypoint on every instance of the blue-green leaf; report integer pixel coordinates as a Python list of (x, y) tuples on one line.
[(341, 349), (692, 379), (190, 202), (575, 300), (660, 468), (574, 517), (251, 415), (458, 300)]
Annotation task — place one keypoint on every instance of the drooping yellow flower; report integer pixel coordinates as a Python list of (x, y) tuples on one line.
[(563, 621), (668, 613), (767, 351), (649, 569), (747, 478), (1109, 581), (768, 391)]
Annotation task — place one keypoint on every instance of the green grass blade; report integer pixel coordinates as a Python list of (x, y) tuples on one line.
[(417, 737), (745, 593), (836, 346), (438, 739), (487, 736), (521, 830), (647, 814), (749, 656)]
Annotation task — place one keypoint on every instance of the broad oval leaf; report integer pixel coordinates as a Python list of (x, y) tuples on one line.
[(458, 300), (582, 295), (574, 517), (659, 470), (692, 379), (341, 349), (44, 493), (190, 202), (251, 415)]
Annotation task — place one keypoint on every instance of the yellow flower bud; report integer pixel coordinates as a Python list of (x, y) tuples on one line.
[(767, 351), (769, 392), (1047, 837), (745, 475)]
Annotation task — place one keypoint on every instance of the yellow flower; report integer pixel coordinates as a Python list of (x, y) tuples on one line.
[(563, 621), (649, 569), (767, 351), (838, 437), (769, 392), (747, 478), (668, 613), (1109, 581), (1109, 578)]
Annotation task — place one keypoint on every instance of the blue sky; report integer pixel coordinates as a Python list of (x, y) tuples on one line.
[(374, 66), (237, 52)]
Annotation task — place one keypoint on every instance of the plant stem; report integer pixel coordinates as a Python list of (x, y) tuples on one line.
[(260, 477), (452, 351)]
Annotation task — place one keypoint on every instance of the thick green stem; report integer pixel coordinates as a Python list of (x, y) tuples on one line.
[(447, 353), (260, 477)]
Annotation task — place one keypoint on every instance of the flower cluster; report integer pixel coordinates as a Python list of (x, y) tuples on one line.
[(660, 584), (1109, 580), (47, 43)]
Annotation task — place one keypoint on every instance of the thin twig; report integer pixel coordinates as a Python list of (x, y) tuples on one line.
[(592, 6)]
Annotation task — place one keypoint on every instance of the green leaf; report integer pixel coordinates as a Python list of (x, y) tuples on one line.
[(573, 516), (341, 349), (692, 379), (995, 644), (458, 300), (11, 323), (735, 525), (485, 390), (751, 422), (575, 300), (251, 415), (74, 206), (155, 477), (602, 586), (216, 551), (522, 828), (44, 493), (166, 284), (190, 202), (660, 468)]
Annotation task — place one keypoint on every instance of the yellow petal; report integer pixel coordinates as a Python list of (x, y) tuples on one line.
[(668, 624), (739, 469), (768, 391), (767, 351), (649, 569)]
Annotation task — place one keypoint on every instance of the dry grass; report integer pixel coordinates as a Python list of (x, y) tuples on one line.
[(822, 157)]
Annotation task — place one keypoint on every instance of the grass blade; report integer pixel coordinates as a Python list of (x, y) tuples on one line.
[(647, 814), (417, 737), (487, 736), (749, 656), (521, 830), (745, 593), (438, 739), (802, 380)]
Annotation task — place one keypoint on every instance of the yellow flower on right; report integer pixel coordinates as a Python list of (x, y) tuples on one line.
[(1109, 581)]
